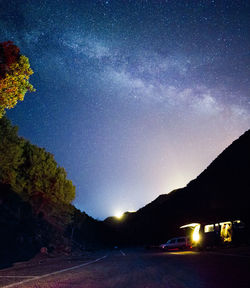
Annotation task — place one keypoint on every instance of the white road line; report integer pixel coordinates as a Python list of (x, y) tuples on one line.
[(53, 273), (123, 254)]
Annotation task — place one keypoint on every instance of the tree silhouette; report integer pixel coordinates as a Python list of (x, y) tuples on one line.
[(30, 170)]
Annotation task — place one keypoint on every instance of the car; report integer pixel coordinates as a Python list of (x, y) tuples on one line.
[(180, 243)]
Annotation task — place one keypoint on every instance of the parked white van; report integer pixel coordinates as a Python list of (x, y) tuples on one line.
[(180, 243)]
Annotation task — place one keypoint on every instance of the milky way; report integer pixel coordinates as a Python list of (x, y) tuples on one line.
[(134, 98)]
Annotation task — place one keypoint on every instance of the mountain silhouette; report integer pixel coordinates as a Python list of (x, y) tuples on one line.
[(219, 193)]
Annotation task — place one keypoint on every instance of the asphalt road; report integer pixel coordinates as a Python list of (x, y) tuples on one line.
[(130, 268)]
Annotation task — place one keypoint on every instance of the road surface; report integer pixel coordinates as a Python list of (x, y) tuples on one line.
[(131, 268)]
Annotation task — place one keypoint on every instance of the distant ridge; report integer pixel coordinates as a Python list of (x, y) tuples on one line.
[(220, 192)]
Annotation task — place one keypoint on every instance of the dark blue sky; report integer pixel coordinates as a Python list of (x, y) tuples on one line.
[(134, 98)]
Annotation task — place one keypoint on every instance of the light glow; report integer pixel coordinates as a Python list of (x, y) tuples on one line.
[(209, 228), (191, 225), (196, 231), (196, 234), (118, 214)]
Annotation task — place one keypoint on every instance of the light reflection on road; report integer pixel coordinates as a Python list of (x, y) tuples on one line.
[(183, 253)]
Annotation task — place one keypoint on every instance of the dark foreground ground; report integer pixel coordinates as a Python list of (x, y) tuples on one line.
[(138, 268)]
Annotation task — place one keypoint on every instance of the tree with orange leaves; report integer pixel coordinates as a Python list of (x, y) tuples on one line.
[(14, 76)]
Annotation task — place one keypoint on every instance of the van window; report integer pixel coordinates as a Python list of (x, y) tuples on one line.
[(209, 228), (181, 240)]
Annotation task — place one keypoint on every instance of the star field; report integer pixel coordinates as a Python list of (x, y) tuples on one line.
[(134, 98)]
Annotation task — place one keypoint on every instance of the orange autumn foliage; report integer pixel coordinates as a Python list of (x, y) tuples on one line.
[(14, 76)]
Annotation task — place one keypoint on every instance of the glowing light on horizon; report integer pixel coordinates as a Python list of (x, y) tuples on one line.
[(118, 214)]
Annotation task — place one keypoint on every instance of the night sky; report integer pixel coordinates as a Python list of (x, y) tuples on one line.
[(134, 98)]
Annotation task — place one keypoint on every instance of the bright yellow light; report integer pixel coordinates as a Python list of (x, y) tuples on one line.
[(191, 225), (118, 214), (196, 234), (196, 229), (196, 237)]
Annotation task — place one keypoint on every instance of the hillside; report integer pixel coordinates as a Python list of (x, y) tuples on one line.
[(35, 203), (219, 193), (61, 228)]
